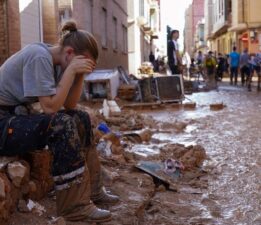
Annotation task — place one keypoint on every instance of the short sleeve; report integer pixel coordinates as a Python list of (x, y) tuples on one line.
[(38, 78)]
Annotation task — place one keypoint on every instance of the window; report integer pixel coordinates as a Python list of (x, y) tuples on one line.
[(141, 8), (89, 15), (124, 39), (115, 33), (104, 27), (65, 14)]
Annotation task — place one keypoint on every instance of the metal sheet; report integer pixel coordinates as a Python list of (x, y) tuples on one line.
[(156, 169)]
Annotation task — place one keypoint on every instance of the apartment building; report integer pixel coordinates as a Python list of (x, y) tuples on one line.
[(246, 24), (107, 21), (235, 23), (188, 33), (143, 28), (10, 41), (193, 16), (199, 38), (22, 23), (220, 38)]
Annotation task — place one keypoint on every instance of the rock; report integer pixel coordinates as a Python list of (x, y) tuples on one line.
[(194, 157), (161, 188), (32, 186), (17, 172), (22, 206), (58, 221), (8, 202), (145, 135), (42, 181), (5, 160), (2, 188), (109, 177), (217, 106), (189, 105)]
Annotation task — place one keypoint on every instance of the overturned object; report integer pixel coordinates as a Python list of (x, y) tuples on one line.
[(217, 106), (157, 170), (172, 165), (110, 108), (102, 84)]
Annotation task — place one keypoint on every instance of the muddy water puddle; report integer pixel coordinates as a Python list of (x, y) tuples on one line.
[(232, 141)]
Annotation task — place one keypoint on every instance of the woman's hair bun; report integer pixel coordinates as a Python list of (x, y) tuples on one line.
[(70, 26)]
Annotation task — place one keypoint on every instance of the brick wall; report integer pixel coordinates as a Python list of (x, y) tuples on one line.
[(13, 21), (3, 33), (9, 29), (50, 21), (109, 57), (197, 12)]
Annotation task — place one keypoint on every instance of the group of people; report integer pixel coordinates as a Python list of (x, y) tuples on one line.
[(248, 64), (212, 67)]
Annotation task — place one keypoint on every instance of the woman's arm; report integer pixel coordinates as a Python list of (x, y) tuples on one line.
[(78, 66), (75, 92)]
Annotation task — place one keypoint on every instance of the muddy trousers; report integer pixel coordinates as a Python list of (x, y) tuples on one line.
[(68, 135)]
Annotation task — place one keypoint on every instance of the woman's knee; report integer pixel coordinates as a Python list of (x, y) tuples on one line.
[(63, 122)]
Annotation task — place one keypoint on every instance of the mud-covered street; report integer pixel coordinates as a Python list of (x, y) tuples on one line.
[(225, 190), (231, 139)]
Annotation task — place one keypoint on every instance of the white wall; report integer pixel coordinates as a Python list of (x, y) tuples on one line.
[(31, 21)]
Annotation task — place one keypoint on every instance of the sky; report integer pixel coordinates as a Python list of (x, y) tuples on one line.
[(173, 14)]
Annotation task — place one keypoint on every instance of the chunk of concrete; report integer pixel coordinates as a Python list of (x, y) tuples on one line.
[(2, 188), (16, 171)]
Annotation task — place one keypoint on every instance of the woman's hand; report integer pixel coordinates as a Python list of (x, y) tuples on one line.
[(81, 65)]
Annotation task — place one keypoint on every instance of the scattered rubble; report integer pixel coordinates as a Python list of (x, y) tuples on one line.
[(30, 176), (217, 106)]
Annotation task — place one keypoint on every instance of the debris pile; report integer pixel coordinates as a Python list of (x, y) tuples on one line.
[(22, 180)]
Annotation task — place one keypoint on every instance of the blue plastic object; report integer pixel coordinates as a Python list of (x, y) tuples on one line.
[(104, 128)]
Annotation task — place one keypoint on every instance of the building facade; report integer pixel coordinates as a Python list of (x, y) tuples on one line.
[(193, 16), (246, 25), (22, 23), (143, 28), (10, 40), (235, 23), (107, 21), (188, 33)]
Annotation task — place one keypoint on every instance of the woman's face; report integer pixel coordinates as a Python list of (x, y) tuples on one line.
[(69, 53)]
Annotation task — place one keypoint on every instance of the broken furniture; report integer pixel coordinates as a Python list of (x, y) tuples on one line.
[(102, 84), (162, 88)]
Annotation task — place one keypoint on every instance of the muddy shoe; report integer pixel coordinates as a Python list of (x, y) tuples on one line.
[(98, 216), (106, 199)]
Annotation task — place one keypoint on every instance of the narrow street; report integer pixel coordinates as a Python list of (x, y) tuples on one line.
[(127, 112), (231, 140)]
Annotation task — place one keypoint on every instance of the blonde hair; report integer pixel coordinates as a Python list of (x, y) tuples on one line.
[(80, 40)]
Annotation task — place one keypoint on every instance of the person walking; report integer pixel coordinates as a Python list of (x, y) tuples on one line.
[(210, 67), (53, 76), (257, 68), (234, 59), (174, 59), (244, 66)]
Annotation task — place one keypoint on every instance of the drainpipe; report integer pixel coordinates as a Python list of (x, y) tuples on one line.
[(40, 20)]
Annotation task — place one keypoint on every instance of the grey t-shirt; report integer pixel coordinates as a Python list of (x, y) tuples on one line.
[(27, 75)]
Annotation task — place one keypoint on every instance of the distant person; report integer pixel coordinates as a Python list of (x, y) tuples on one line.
[(220, 67), (210, 66), (174, 59), (200, 58), (258, 69), (234, 65), (152, 58), (244, 66)]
